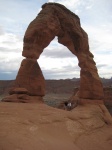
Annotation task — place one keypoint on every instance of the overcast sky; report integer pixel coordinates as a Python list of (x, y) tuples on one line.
[(56, 61)]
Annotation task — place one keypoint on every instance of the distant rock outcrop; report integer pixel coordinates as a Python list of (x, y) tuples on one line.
[(56, 20)]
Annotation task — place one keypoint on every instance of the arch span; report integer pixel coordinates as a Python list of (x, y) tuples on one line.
[(56, 20)]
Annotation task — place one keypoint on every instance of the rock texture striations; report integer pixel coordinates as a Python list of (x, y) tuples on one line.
[(56, 20)]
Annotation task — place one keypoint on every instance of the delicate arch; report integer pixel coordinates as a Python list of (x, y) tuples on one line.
[(56, 20)]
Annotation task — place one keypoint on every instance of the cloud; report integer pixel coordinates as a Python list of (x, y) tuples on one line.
[(51, 1), (101, 66), (7, 50), (1, 30), (9, 65), (16, 15), (66, 72), (69, 4), (8, 75), (77, 6), (10, 50), (11, 41), (10, 55), (57, 52)]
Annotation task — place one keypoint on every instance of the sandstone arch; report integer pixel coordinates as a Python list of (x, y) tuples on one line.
[(56, 20)]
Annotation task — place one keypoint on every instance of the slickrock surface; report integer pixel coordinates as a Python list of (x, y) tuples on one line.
[(38, 126)]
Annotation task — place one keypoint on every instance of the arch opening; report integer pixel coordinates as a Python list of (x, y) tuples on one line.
[(57, 62), (61, 73)]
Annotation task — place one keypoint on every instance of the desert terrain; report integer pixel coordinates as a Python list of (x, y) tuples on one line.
[(58, 91)]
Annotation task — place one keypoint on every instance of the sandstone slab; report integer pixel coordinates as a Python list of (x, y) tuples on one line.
[(38, 126)]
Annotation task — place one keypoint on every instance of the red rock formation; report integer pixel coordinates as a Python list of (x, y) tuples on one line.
[(31, 78), (29, 82), (56, 20)]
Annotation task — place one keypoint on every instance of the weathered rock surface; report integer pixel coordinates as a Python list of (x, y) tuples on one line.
[(30, 77), (38, 126), (18, 91), (56, 20)]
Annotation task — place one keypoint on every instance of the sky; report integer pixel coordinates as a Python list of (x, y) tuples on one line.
[(56, 62)]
